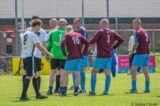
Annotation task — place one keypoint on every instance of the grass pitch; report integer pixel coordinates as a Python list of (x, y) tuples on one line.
[(11, 86)]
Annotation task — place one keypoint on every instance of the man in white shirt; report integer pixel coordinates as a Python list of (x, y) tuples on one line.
[(37, 53), (31, 41)]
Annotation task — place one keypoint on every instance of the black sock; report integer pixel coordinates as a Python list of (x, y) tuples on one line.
[(25, 87), (35, 85), (23, 79), (57, 82), (39, 82)]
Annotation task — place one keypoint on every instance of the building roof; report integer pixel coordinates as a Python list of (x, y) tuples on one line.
[(73, 8)]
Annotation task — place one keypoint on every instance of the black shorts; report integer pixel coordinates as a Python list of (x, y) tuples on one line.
[(38, 63), (57, 63), (27, 65)]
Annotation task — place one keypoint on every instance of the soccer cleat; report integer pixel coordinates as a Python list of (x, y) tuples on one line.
[(75, 93), (105, 93), (81, 91), (147, 91), (41, 97), (24, 98), (49, 93), (133, 91), (92, 93)]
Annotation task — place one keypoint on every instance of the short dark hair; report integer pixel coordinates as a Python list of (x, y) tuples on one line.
[(35, 17), (78, 19), (36, 22)]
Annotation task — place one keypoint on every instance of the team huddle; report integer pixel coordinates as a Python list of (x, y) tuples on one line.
[(67, 51)]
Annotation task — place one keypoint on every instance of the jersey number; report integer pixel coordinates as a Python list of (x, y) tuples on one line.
[(25, 39), (76, 40), (147, 38), (108, 38)]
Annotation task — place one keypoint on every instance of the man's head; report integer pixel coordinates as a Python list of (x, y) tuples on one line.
[(36, 25), (69, 28), (77, 22), (53, 23), (136, 23), (103, 23), (62, 23), (35, 17)]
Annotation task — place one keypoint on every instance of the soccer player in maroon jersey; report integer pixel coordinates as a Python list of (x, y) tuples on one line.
[(142, 48), (73, 46), (106, 40)]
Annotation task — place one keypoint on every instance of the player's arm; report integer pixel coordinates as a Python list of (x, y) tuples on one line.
[(118, 42), (36, 41), (63, 46), (95, 38), (43, 50), (49, 45), (85, 45)]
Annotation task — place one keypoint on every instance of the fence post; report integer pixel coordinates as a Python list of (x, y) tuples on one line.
[(82, 12), (16, 28), (153, 43)]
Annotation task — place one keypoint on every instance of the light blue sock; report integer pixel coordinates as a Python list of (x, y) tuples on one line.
[(147, 84), (134, 85), (93, 83), (107, 84), (83, 81), (74, 79)]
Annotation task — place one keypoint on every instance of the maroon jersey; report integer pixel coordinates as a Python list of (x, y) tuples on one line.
[(83, 31), (105, 39), (142, 38), (72, 45)]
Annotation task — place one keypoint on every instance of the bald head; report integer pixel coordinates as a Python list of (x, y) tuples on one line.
[(53, 23), (104, 23), (62, 23), (69, 28), (136, 23)]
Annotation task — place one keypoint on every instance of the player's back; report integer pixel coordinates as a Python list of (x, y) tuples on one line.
[(142, 37), (74, 45), (28, 41), (105, 39)]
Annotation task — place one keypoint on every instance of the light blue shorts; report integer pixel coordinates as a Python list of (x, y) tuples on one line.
[(73, 65), (141, 60), (102, 63), (85, 61)]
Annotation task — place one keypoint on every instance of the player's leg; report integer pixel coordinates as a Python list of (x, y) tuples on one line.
[(146, 73), (63, 88), (96, 66), (77, 83), (73, 80), (93, 81), (83, 80), (38, 67), (24, 73), (61, 72), (54, 66), (58, 75), (83, 74), (36, 87), (107, 67), (28, 62), (137, 62)]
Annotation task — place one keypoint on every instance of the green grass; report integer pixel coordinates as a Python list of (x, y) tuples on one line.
[(11, 86)]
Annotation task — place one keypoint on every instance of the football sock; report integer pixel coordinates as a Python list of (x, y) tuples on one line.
[(134, 87), (39, 82), (35, 85), (107, 84), (147, 84), (25, 87), (93, 83), (83, 81), (74, 79), (57, 82)]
